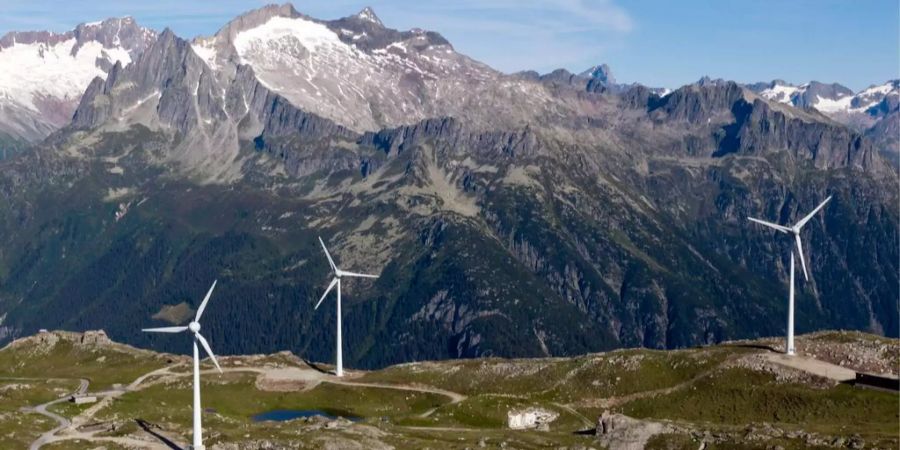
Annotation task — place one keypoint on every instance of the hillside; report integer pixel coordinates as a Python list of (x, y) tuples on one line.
[(734, 395), (507, 215)]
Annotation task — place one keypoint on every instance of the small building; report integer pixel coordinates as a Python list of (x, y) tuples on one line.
[(529, 418), (83, 399)]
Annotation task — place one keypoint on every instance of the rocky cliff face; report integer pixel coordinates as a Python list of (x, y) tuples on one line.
[(740, 122), (572, 219), (409, 75), (865, 111), (44, 73)]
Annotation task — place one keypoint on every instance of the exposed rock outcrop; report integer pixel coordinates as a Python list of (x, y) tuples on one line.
[(625, 433)]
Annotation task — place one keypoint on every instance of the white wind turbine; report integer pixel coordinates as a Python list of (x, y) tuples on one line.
[(795, 230), (338, 273), (194, 328)]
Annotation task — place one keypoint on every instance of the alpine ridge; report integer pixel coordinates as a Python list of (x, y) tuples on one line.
[(44, 74), (873, 111)]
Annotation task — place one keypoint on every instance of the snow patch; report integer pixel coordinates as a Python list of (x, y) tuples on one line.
[(31, 71), (311, 35), (828, 106), (883, 89), (207, 52), (780, 93)]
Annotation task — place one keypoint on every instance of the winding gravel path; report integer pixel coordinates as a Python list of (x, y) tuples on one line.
[(60, 420), (71, 426)]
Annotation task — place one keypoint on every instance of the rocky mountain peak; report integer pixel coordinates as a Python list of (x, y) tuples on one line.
[(368, 14), (863, 111), (316, 65), (254, 18), (43, 74), (113, 33), (116, 32), (707, 81), (823, 96), (166, 36), (601, 73), (167, 73)]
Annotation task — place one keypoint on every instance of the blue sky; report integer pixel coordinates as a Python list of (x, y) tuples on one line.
[(658, 43)]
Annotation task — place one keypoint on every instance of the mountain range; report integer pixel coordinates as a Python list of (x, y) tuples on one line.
[(873, 110), (44, 74), (507, 214)]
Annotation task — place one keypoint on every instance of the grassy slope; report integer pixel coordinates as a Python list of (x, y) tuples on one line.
[(18, 429), (562, 379), (740, 396), (102, 366), (705, 395)]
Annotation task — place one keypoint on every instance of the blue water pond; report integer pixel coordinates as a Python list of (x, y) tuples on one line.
[(282, 415)]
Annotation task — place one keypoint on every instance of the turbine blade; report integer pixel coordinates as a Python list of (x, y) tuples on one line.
[(328, 255), (810, 215), (330, 287), (360, 275), (802, 259), (770, 225), (165, 330), (208, 350), (205, 300)]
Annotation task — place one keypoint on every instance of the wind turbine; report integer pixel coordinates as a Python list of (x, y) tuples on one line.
[(338, 273), (795, 230), (194, 328)]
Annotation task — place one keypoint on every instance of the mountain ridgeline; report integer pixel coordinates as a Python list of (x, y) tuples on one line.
[(507, 215)]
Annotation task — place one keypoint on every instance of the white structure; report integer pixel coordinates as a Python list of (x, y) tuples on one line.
[(194, 328), (529, 418), (338, 273), (82, 399), (795, 230)]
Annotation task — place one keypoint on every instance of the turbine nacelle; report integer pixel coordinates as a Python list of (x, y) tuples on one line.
[(194, 327)]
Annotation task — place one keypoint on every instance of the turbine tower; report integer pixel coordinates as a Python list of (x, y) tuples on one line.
[(795, 230), (338, 273), (194, 328)]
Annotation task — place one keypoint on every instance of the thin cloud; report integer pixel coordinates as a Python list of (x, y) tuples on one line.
[(603, 15)]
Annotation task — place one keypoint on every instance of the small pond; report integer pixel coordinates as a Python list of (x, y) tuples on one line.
[(282, 415)]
